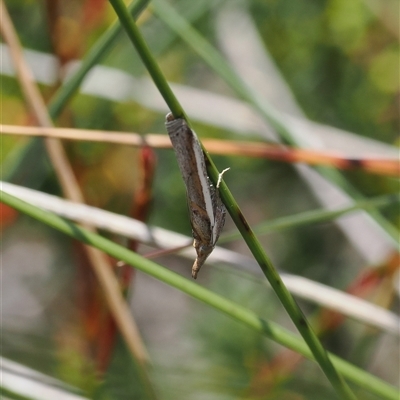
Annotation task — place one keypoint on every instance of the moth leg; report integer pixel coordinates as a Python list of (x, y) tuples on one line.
[(220, 175)]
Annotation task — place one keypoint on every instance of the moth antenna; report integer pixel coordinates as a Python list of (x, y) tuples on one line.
[(220, 175)]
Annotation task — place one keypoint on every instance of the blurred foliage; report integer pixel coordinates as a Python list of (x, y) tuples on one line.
[(342, 64), (339, 59)]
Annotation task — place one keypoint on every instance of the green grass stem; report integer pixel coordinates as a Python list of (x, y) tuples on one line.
[(313, 217), (34, 149), (237, 312), (96, 53), (214, 59), (273, 277)]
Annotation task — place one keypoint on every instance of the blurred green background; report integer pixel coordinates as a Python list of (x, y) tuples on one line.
[(341, 61)]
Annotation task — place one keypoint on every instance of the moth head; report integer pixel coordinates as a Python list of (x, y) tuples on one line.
[(169, 117)]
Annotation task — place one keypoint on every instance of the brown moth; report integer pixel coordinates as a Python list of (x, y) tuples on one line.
[(207, 212)]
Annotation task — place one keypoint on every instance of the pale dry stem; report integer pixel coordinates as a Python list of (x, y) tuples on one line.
[(117, 305)]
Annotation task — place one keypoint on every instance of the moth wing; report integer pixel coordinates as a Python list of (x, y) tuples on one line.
[(220, 214), (192, 165)]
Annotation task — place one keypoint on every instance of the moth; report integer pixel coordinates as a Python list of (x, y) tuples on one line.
[(207, 212)]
